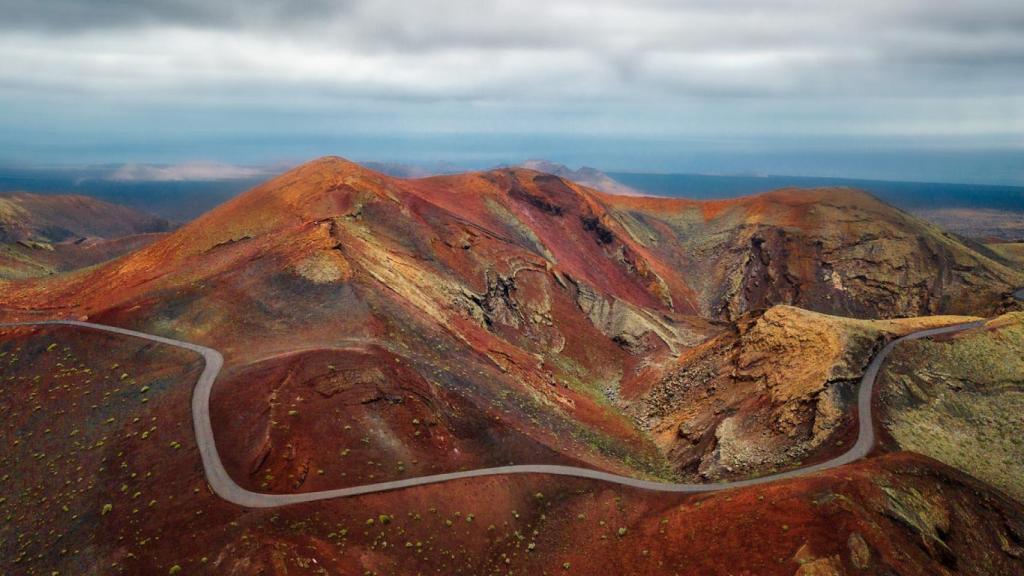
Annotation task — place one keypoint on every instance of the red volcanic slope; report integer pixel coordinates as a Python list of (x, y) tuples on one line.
[(529, 311), (116, 482), (665, 254), (531, 300), (375, 328)]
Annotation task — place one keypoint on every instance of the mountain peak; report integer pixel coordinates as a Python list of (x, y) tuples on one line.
[(334, 165), (303, 188), (586, 176)]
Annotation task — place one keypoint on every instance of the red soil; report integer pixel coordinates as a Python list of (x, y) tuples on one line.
[(898, 514)]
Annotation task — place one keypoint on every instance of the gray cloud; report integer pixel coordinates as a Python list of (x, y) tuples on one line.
[(627, 66), (80, 15), (483, 48)]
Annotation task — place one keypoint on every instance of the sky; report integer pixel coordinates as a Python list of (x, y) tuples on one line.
[(901, 89)]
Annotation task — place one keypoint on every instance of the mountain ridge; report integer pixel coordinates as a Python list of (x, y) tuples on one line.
[(585, 176), (56, 218), (638, 237), (42, 235), (374, 328), (575, 299)]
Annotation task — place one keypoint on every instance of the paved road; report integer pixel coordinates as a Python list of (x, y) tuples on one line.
[(227, 489)]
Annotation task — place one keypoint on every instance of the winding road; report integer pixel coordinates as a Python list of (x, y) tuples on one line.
[(226, 488)]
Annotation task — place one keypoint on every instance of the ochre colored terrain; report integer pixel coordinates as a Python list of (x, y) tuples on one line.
[(56, 218), (375, 328), (515, 300), (110, 480), (1013, 252), (961, 400), (834, 250), (42, 235), (777, 390), (35, 258)]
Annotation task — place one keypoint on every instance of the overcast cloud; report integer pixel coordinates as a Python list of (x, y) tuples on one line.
[(77, 69)]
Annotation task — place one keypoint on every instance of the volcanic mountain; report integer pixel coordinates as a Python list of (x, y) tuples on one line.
[(585, 176), (375, 328), (829, 250), (56, 218), (514, 296), (45, 234)]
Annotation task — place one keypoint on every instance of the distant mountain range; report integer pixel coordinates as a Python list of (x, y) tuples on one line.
[(587, 176)]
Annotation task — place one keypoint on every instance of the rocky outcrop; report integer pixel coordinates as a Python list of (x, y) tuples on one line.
[(775, 390), (631, 326), (580, 315), (838, 251)]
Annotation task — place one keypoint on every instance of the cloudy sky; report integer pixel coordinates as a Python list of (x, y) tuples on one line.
[(918, 89)]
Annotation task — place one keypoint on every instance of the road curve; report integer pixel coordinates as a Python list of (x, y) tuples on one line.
[(226, 488)]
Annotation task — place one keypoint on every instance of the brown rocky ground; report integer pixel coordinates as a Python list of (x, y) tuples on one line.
[(92, 426), (837, 251), (41, 235), (981, 224), (35, 258), (777, 390), (559, 316), (116, 487), (383, 420), (960, 400), (55, 218)]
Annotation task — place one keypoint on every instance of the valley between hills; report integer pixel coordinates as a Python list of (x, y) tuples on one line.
[(378, 329)]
